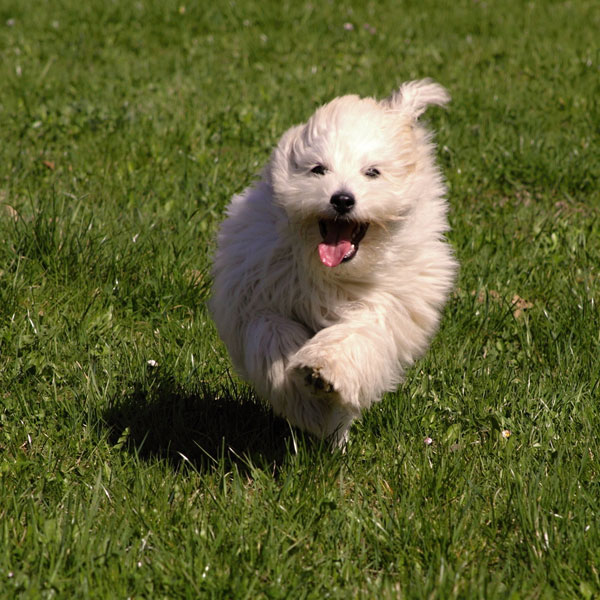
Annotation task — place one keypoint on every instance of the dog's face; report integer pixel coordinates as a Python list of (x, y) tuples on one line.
[(349, 175)]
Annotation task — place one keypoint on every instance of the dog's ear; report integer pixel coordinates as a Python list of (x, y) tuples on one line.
[(283, 158), (285, 151), (413, 97)]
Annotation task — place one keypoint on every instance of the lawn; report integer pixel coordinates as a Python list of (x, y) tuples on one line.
[(135, 464)]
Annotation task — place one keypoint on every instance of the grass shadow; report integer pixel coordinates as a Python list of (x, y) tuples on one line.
[(202, 428)]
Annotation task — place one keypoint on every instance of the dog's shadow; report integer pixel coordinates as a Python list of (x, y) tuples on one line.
[(200, 428)]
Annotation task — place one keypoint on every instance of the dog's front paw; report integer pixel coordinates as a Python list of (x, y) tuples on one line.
[(314, 381), (322, 400), (313, 377)]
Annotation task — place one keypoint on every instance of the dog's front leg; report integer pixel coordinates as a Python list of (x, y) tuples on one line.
[(354, 361)]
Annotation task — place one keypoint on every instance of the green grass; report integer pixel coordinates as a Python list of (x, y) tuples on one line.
[(124, 129)]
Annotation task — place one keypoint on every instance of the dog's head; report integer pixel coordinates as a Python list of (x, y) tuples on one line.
[(348, 176)]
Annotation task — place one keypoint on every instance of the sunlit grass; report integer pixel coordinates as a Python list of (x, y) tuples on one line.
[(133, 463)]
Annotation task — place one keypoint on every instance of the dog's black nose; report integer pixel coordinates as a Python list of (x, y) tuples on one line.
[(342, 202)]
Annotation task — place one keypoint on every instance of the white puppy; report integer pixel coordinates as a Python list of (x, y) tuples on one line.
[(331, 272)]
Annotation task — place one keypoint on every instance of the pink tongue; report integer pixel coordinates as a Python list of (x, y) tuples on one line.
[(337, 243)]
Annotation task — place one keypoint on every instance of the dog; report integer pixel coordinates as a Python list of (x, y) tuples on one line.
[(331, 272)]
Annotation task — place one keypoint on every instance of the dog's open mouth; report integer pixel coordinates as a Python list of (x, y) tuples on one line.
[(340, 240)]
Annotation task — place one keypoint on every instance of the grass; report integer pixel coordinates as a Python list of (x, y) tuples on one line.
[(124, 129)]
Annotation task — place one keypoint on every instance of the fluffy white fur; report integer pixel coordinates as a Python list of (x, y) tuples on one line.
[(322, 343)]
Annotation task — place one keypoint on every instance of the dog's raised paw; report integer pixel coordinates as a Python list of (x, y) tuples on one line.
[(313, 378)]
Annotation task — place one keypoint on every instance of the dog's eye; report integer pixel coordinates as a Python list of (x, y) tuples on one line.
[(319, 170), (372, 172)]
